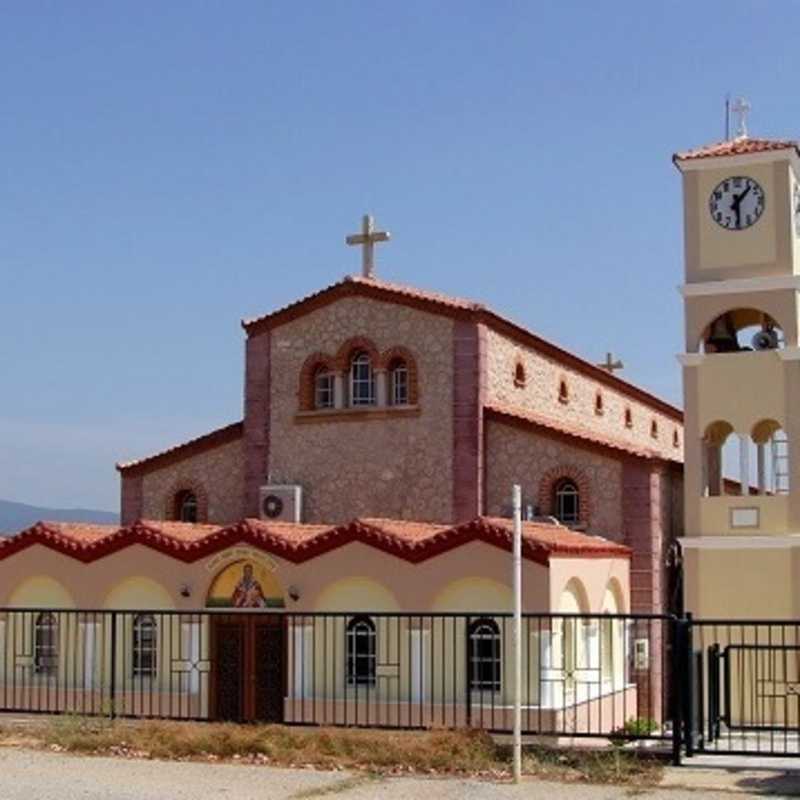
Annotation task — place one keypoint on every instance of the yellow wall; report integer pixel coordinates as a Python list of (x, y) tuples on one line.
[(766, 248), (746, 583), (138, 592), (474, 593), (356, 594), (40, 591)]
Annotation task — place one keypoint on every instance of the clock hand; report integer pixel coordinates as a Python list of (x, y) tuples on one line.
[(737, 199)]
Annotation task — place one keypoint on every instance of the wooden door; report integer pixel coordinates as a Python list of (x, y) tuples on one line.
[(269, 674), (249, 675), (228, 677)]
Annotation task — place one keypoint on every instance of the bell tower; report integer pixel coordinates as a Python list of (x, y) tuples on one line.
[(741, 365)]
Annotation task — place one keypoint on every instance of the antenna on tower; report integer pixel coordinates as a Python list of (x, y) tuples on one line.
[(727, 117)]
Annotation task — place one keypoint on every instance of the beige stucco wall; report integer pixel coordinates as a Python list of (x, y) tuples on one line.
[(219, 472), (355, 577), (397, 466), (595, 577), (742, 583), (514, 456), (541, 395), (766, 248)]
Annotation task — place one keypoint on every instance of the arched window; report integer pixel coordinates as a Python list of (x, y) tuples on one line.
[(566, 502), (598, 403), (628, 418), (144, 646), (483, 655), (654, 429), (45, 643), (323, 388), (563, 392), (741, 330), (398, 383), (362, 380), (186, 506), (519, 375), (676, 439), (361, 652)]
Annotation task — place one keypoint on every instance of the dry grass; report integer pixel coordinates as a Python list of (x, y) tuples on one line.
[(437, 752)]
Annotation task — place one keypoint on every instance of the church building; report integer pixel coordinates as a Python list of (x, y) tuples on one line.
[(365, 494), (371, 399)]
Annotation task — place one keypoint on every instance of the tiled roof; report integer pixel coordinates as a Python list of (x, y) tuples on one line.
[(737, 147), (176, 452), (575, 431), (442, 303), (410, 540), (375, 285)]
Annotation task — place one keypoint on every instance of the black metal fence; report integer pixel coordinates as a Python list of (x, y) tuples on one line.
[(743, 692), (583, 675)]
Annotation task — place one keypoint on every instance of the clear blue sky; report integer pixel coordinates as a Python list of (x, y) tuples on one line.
[(168, 168)]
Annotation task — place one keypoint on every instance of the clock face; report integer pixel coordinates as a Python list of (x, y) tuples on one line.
[(736, 203)]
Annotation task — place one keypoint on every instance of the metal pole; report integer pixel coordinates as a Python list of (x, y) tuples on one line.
[(517, 589)]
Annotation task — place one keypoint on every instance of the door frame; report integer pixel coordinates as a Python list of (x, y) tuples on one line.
[(248, 622)]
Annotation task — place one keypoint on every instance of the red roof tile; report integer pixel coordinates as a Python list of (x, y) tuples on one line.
[(737, 147), (413, 541), (177, 452), (574, 431)]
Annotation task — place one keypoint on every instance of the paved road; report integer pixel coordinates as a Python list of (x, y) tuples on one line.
[(35, 775)]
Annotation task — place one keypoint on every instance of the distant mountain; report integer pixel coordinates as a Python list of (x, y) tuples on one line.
[(14, 517)]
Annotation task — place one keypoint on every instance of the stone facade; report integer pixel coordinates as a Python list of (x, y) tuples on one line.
[(536, 461), (383, 461), (216, 476), (453, 450), (539, 391)]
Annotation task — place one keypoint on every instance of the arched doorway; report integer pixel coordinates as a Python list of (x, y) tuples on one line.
[(248, 642)]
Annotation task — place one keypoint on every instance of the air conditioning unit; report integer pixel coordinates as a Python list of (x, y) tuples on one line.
[(281, 503)]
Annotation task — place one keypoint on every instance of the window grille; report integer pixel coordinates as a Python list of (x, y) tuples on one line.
[(187, 507), (399, 381), (567, 502), (362, 381), (324, 389), (144, 646), (45, 644), (361, 652), (484, 656)]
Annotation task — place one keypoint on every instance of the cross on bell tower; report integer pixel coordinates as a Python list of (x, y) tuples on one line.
[(367, 239), (741, 108)]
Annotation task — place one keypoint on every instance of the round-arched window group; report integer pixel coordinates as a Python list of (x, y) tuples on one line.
[(359, 377)]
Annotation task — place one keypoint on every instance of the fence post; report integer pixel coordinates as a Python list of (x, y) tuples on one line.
[(687, 681), (677, 689), (467, 671), (113, 677)]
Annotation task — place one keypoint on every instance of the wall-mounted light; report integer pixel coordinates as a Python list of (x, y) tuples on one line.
[(186, 590), (294, 593)]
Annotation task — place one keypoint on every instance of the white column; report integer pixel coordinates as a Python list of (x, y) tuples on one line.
[(419, 660), (382, 387), (516, 583), (89, 654), (303, 660), (3, 654), (338, 390), (552, 684), (744, 463), (191, 654), (761, 467)]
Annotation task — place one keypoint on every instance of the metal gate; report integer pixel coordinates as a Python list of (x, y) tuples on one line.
[(741, 687)]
